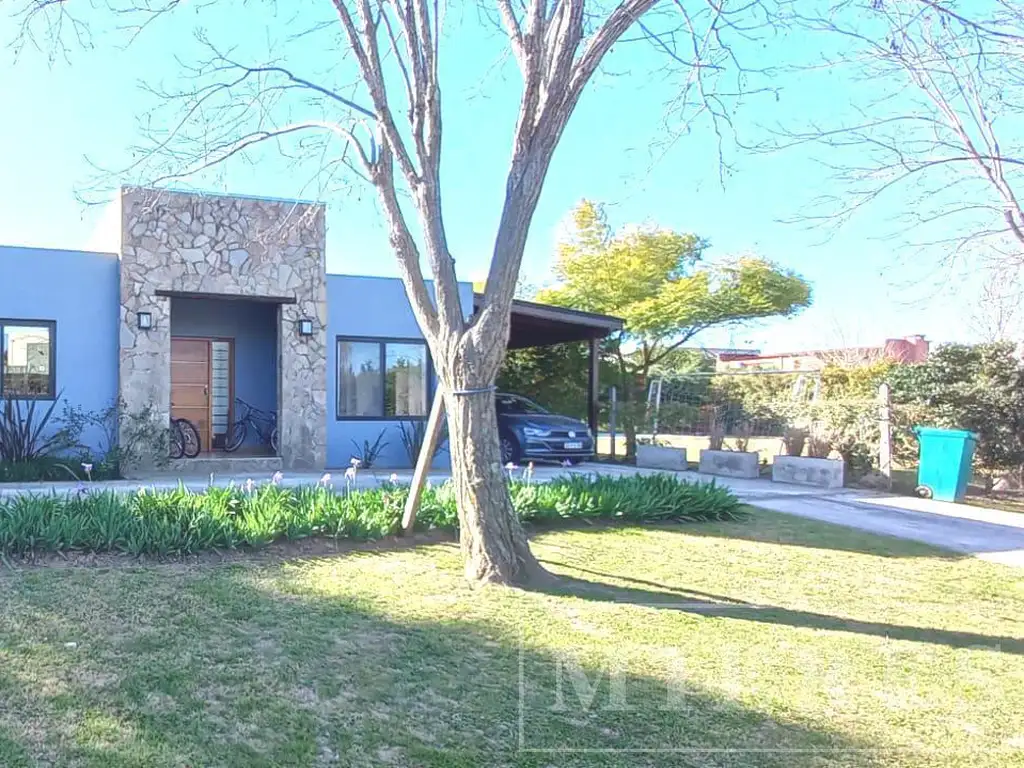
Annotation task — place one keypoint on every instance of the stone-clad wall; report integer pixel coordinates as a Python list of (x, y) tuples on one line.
[(234, 248)]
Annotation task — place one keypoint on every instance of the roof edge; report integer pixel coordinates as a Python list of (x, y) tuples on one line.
[(536, 309)]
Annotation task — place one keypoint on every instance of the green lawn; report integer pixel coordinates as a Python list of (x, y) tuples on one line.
[(773, 642)]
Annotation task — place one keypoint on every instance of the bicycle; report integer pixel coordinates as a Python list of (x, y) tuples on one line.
[(184, 439), (263, 423)]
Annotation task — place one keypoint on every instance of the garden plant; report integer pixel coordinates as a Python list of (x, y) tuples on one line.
[(180, 521)]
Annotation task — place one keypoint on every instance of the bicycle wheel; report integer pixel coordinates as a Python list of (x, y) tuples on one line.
[(273, 440), (176, 441), (236, 436), (190, 438)]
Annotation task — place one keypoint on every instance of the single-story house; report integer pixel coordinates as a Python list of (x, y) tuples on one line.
[(213, 301)]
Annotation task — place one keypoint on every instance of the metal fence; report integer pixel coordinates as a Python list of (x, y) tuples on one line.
[(764, 411)]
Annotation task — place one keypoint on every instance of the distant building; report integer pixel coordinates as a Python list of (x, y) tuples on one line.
[(912, 349), (717, 352)]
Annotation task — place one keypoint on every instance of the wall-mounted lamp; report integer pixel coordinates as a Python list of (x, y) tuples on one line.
[(145, 320), (305, 327)]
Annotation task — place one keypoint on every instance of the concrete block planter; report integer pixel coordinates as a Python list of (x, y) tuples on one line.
[(661, 457), (729, 463), (824, 473)]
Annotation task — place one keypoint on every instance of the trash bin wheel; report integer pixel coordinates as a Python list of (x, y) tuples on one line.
[(923, 491)]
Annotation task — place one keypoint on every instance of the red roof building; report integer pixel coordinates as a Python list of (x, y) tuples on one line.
[(912, 349)]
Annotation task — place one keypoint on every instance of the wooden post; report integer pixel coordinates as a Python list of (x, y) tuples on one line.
[(885, 432), (423, 461), (593, 386)]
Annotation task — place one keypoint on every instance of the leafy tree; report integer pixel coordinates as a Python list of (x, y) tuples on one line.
[(854, 382), (975, 387), (555, 376), (658, 282)]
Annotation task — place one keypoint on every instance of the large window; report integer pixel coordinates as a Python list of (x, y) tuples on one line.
[(382, 379), (27, 359)]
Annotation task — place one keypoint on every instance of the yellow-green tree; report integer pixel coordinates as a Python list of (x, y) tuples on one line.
[(658, 282)]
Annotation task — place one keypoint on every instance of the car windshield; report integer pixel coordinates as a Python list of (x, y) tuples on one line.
[(516, 404)]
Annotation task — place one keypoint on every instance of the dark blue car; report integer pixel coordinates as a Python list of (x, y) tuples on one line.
[(531, 433)]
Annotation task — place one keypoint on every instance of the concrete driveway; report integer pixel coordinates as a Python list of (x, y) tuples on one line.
[(985, 533)]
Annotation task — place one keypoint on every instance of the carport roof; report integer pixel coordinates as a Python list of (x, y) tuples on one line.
[(541, 325)]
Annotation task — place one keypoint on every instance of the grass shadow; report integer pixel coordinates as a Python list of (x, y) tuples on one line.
[(724, 607), (238, 667)]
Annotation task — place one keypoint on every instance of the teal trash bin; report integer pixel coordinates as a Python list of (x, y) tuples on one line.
[(945, 468)]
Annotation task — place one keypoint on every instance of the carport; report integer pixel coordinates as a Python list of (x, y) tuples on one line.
[(543, 325)]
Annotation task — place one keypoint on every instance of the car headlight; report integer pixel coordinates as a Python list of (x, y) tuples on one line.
[(535, 432)]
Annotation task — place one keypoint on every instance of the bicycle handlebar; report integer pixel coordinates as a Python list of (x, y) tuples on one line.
[(252, 409)]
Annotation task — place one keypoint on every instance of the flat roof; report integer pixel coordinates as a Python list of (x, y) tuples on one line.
[(196, 192), (541, 325)]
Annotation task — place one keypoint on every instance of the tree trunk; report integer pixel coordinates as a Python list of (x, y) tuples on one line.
[(494, 545), (632, 410), (629, 429)]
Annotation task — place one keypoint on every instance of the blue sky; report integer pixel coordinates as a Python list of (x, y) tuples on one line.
[(65, 118)]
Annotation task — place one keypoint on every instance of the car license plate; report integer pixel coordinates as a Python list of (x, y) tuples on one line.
[(577, 446)]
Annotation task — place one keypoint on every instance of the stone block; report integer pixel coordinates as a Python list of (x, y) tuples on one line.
[(729, 463), (193, 254), (824, 473), (661, 457)]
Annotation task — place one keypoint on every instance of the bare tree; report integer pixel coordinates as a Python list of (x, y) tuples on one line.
[(376, 111), (844, 356), (935, 134), (997, 314)]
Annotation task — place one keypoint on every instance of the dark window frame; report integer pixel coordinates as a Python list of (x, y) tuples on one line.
[(381, 342), (51, 326)]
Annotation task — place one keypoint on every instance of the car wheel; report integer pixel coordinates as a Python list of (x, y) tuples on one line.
[(510, 452)]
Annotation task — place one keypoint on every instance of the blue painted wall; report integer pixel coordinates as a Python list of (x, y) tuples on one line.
[(372, 307), (253, 326), (79, 291)]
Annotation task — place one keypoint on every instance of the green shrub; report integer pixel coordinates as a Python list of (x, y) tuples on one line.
[(182, 522), (26, 433), (976, 387), (56, 469), (38, 469)]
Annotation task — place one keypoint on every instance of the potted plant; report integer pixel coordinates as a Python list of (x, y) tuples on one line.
[(739, 463), (814, 469)]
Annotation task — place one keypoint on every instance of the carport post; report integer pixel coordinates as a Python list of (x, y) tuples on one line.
[(612, 413), (592, 386)]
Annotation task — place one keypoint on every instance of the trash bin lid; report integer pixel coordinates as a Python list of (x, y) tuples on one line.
[(961, 434)]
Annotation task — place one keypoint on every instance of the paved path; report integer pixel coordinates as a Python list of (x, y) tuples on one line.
[(985, 533), (988, 534)]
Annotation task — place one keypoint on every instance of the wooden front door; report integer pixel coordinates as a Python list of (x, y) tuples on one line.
[(190, 384)]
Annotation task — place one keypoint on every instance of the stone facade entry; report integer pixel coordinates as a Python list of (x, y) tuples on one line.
[(178, 246)]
